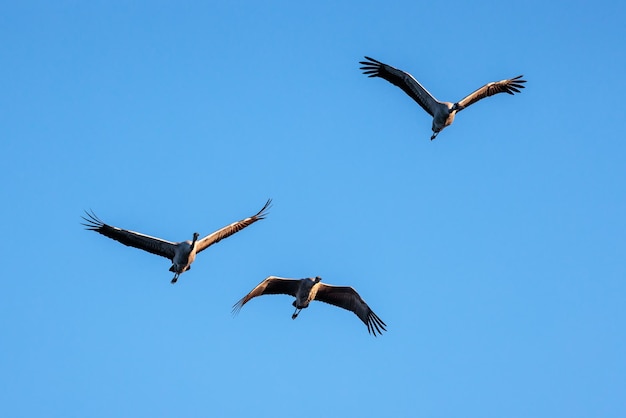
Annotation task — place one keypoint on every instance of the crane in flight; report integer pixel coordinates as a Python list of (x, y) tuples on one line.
[(442, 112)]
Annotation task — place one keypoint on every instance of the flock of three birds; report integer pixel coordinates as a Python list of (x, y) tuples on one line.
[(182, 254)]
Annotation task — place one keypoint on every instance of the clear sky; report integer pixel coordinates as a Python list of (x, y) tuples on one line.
[(495, 253)]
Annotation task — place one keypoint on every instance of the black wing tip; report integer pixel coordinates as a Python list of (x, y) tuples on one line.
[(515, 81), (371, 60), (236, 308), (93, 223), (371, 67), (264, 210), (371, 71), (513, 88), (375, 325)]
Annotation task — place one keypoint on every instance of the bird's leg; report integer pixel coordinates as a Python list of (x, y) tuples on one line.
[(175, 279), (296, 312)]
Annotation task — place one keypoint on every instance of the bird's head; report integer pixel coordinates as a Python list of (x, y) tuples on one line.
[(195, 237), (456, 108), (317, 279)]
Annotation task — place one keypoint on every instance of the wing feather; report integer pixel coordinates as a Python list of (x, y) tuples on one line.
[(510, 86), (231, 229), (404, 80), (272, 285), (144, 242), (347, 298)]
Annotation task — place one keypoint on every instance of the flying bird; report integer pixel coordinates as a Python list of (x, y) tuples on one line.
[(309, 289), (183, 253), (442, 112)]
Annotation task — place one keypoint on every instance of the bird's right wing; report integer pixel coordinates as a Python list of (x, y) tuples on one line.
[(347, 298), (270, 286), (231, 229), (132, 239), (510, 86), (403, 80)]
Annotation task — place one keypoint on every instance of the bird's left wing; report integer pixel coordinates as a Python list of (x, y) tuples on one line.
[(404, 80), (272, 285), (144, 242), (510, 86), (347, 298), (231, 229)]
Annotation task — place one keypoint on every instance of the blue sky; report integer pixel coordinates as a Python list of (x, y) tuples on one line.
[(495, 254)]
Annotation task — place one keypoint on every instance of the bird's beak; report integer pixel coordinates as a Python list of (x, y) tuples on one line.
[(295, 314)]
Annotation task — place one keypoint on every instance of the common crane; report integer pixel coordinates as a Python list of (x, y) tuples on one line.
[(182, 254), (442, 112), (309, 289)]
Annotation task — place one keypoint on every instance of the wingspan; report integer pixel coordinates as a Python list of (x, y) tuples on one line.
[(404, 80), (131, 238), (231, 229), (272, 285), (510, 86), (347, 298)]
